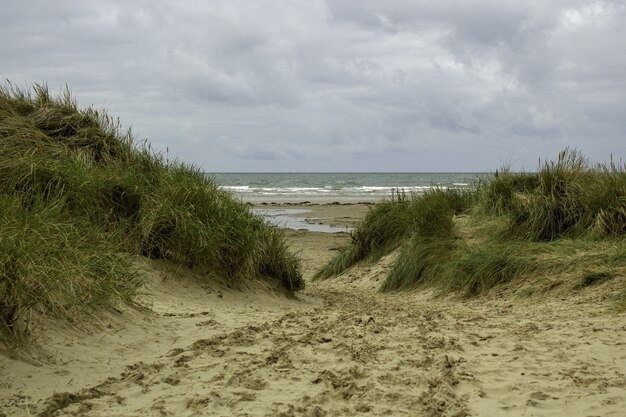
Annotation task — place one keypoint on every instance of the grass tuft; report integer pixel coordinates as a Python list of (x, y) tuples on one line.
[(594, 278), (498, 194), (549, 226), (451, 267), (79, 197), (59, 266), (477, 269), (420, 261), (388, 224), (573, 199)]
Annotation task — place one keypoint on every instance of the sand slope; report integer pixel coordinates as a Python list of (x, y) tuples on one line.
[(339, 349)]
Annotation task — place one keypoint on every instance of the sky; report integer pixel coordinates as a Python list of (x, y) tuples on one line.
[(337, 85)]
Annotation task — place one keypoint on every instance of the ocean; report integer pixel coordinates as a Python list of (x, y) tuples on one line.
[(331, 187)]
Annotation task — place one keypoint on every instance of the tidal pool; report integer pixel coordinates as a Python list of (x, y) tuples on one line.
[(285, 218)]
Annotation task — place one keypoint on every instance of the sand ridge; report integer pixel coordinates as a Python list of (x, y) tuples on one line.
[(339, 349)]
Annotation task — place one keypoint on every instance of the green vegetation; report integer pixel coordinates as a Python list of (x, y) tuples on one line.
[(421, 259), (572, 199), (552, 227), (392, 222), (594, 278), (79, 199), (452, 266)]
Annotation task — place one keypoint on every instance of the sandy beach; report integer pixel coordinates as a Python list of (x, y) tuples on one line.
[(339, 348)]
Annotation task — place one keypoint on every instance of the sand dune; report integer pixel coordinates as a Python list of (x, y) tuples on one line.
[(339, 348)]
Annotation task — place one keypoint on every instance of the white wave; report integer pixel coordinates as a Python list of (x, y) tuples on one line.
[(237, 188), (330, 190)]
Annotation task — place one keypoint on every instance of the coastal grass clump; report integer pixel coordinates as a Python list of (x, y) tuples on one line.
[(474, 267), (56, 265), (420, 261), (478, 269), (559, 206), (189, 220), (453, 266), (564, 222), (460, 199), (391, 222), (497, 195), (608, 201), (57, 125), (386, 224), (594, 278), (572, 199), (79, 198)]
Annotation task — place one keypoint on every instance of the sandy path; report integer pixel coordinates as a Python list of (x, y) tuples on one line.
[(342, 349), (358, 353)]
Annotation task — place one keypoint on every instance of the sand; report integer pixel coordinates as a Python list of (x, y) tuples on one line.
[(338, 349)]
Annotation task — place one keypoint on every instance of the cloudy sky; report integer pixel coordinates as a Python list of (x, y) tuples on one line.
[(337, 85)]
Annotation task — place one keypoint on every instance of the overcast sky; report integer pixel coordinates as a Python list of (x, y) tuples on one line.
[(337, 85)]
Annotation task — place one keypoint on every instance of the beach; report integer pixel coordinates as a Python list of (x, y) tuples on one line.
[(338, 348), (313, 209)]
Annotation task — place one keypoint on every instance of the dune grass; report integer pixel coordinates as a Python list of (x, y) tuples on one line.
[(388, 224), (51, 264), (420, 261), (497, 195), (568, 197), (453, 267), (79, 197), (564, 222), (572, 199)]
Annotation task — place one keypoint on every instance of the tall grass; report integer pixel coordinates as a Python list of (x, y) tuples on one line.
[(56, 265), (420, 261), (497, 194), (556, 222), (79, 196), (454, 267), (608, 201), (477, 269), (391, 222), (572, 199)]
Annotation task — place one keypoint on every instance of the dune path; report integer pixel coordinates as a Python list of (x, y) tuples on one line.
[(343, 349)]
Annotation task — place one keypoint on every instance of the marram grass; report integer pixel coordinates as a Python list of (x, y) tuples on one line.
[(572, 198), (452, 266), (79, 197), (389, 223), (564, 222), (51, 263)]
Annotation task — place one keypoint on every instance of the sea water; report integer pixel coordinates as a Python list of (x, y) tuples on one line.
[(287, 219), (331, 187), (298, 188)]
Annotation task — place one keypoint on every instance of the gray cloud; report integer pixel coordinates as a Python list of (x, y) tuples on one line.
[(337, 84)]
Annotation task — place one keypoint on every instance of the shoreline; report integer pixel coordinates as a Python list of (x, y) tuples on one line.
[(314, 217), (308, 201)]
